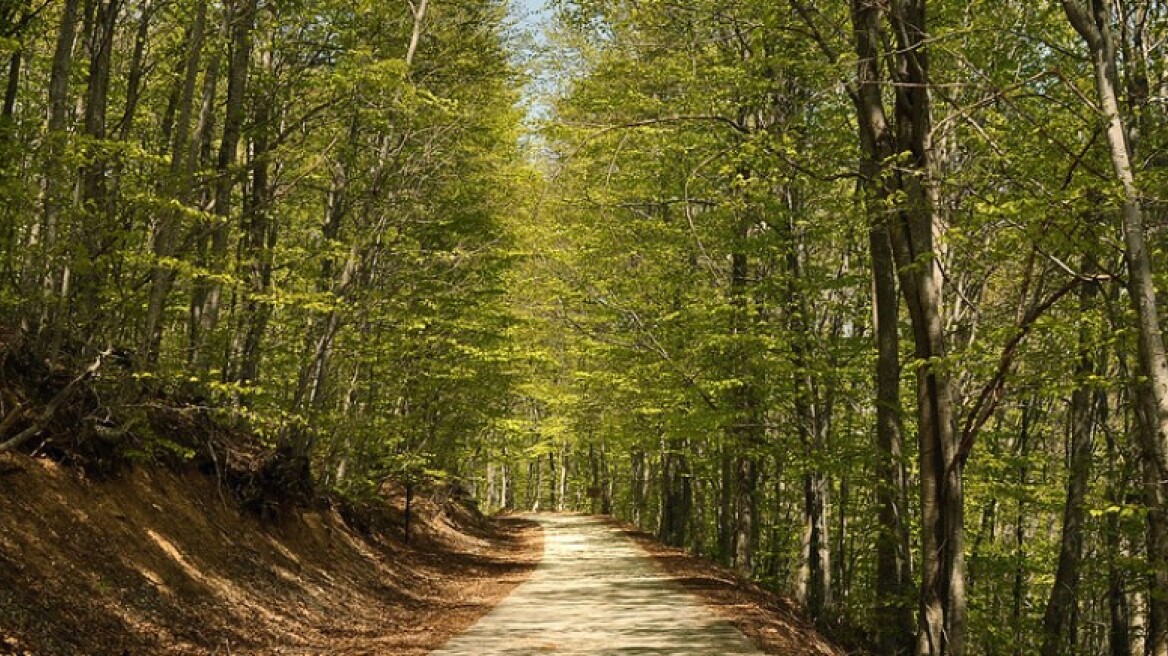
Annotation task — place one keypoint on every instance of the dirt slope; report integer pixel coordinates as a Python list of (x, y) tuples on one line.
[(157, 562)]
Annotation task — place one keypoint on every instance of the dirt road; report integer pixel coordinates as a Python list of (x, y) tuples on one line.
[(595, 592)]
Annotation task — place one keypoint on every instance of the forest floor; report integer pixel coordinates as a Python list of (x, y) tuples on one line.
[(160, 562)]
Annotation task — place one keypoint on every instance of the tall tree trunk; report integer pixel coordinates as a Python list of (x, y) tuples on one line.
[(1030, 411), (726, 502), (506, 488), (893, 561), (565, 467), (676, 494), (814, 586), (813, 414), (745, 433), (1157, 544), (211, 233), (91, 232), (553, 481), (259, 242), (167, 230), (594, 485), (40, 270), (1093, 21), (941, 630), (419, 11), (11, 88), (607, 482), (240, 16), (1058, 635), (535, 484), (137, 71), (638, 493)]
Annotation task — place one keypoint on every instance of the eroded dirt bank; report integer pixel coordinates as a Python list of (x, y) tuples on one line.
[(157, 562)]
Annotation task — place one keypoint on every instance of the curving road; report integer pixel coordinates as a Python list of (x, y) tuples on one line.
[(595, 592)]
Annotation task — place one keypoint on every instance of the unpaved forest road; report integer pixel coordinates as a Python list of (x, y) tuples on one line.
[(595, 592)]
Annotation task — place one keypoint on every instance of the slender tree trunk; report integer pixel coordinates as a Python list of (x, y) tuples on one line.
[(39, 270), (726, 505), (814, 587), (594, 487), (166, 232), (1058, 637), (607, 482), (91, 232), (240, 16), (912, 229), (1021, 454), (137, 72), (419, 11), (506, 489), (259, 243), (893, 569), (212, 234), (12, 88), (840, 582), (812, 411), (676, 493), (638, 483), (1093, 21), (553, 501), (943, 599), (1157, 531)]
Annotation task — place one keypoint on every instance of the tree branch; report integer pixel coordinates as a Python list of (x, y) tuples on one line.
[(53, 406), (991, 394)]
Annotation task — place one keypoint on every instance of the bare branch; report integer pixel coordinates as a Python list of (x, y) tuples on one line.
[(54, 405)]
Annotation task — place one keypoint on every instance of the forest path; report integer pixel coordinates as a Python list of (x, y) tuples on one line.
[(596, 592)]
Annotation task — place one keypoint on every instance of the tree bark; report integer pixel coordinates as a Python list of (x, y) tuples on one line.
[(813, 413), (912, 229), (259, 243), (1093, 21), (893, 554), (677, 495), (212, 234), (1058, 635), (894, 573), (12, 88), (136, 73), (39, 270), (166, 232), (240, 16), (814, 587), (93, 229), (745, 432)]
